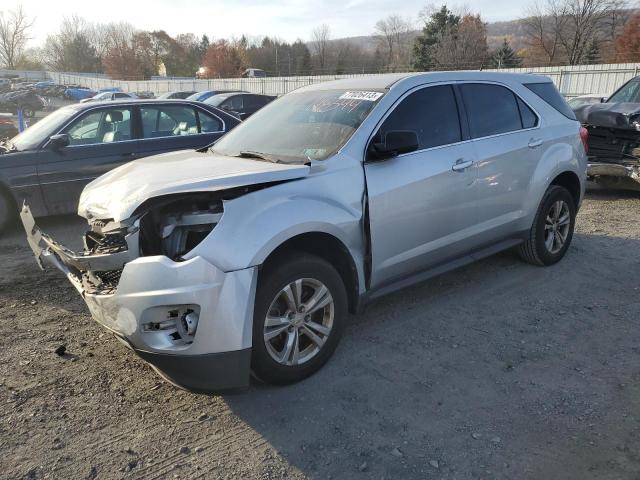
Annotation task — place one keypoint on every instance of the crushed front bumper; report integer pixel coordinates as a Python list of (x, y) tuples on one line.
[(144, 302)]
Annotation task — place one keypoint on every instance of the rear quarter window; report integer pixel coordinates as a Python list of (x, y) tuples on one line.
[(549, 93)]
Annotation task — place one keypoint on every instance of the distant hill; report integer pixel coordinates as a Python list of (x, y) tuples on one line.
[(513, 30)]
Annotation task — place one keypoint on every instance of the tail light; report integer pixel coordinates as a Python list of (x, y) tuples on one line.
[(584, 136)]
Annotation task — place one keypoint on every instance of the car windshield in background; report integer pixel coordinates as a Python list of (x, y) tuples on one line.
[(628, 93), (301, 126), (37, 133)]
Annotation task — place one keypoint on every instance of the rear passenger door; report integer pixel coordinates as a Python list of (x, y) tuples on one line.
[(508, 144), (167, 128), (99, 140), (422, 205)]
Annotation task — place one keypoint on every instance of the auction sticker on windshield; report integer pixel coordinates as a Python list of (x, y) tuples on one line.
[(370, 96)]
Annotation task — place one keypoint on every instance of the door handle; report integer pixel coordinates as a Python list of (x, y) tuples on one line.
[(461, 165), (535, 142)]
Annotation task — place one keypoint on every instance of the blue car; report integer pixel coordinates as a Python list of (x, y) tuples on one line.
[(79, 93)]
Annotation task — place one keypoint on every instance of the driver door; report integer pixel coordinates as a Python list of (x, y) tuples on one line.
[(422, 204), (99, 141)]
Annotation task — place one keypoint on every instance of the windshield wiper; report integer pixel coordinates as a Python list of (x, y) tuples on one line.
[(258, 155)]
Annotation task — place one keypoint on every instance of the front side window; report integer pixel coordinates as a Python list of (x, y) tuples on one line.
[(300, 126), (101, 126), (431, 112), (168, 121), (491, 109)]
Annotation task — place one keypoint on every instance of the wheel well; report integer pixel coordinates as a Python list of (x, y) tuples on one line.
[(329, 248), (571, 182)]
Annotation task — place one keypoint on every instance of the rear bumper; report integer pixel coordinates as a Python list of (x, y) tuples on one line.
[(601, 169), (149, 292)]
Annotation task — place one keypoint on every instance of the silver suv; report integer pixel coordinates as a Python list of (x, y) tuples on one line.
[(248, 256)]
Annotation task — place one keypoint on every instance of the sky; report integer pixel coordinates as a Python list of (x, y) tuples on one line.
[(285, 19)]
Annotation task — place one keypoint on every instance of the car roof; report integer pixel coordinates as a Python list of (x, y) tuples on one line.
[(135, 101), (390, 80)]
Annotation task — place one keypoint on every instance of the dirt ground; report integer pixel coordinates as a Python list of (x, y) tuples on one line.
[(499, 370)]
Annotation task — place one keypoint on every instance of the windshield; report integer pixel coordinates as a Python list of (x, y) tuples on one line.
[(628, 93), (301, 126), (215, 100), (200, 96), (37, 133)]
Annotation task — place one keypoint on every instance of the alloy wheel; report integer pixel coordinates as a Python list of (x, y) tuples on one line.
[(556, 226), (299, 321)]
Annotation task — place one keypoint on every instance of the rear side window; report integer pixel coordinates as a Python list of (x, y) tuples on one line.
[(492, 109), (549, 93), (431, 112), (168, 121), (529, 119), (209, 123)]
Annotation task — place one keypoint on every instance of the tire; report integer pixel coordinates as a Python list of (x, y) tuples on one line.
[(289, 328), (536, 249)]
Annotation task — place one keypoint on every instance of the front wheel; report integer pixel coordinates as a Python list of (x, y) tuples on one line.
[(552, 229), (299, 315)]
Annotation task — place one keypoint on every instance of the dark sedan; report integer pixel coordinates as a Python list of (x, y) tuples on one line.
[(242, 104), (50, 163)]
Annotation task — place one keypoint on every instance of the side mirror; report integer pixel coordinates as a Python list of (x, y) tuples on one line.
[(603, 99), (243, 116), (56, 142), (394, 143)]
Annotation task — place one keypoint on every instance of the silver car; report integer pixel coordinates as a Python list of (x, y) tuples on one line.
[(247, 257)]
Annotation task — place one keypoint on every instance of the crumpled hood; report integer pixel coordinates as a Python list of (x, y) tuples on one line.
[(118, 193), (612, 115)]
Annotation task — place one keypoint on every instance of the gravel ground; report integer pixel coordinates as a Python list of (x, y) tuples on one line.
[(499, 370)]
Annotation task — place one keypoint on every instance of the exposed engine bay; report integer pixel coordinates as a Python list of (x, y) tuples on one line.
[(614, 143)]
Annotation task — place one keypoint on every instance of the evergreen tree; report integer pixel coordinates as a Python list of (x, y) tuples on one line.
[(592, 55), (438, 24), (505, 56)]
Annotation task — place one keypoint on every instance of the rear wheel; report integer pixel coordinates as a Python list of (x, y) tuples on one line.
[(552, 229), (299, 316)]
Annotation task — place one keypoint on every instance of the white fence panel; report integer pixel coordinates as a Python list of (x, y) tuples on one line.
[(570, 80)]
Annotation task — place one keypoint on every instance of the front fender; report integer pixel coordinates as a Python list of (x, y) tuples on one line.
[(254, 225)]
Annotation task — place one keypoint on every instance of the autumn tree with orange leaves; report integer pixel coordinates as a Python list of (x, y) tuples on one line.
[(222, 60), (628, 42)]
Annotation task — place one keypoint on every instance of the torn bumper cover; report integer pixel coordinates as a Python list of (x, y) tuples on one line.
[(614, 140), (190, 320)]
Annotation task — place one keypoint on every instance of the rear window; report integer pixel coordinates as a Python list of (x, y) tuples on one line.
[(549, 93)]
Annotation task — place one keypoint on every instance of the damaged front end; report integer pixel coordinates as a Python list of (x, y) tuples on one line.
[(172, 311), (614, 143)]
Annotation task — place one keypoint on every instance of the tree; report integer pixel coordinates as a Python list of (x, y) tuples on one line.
[(221, 61), (463, 46), (73, 48), (505, 56), (14, 28), (320, 38), (592, 54), (628, 42), (565, 29), (437, 24), (392, 33)]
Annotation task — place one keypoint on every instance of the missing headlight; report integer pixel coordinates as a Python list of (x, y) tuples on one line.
[(182, 232), (174, 226)]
